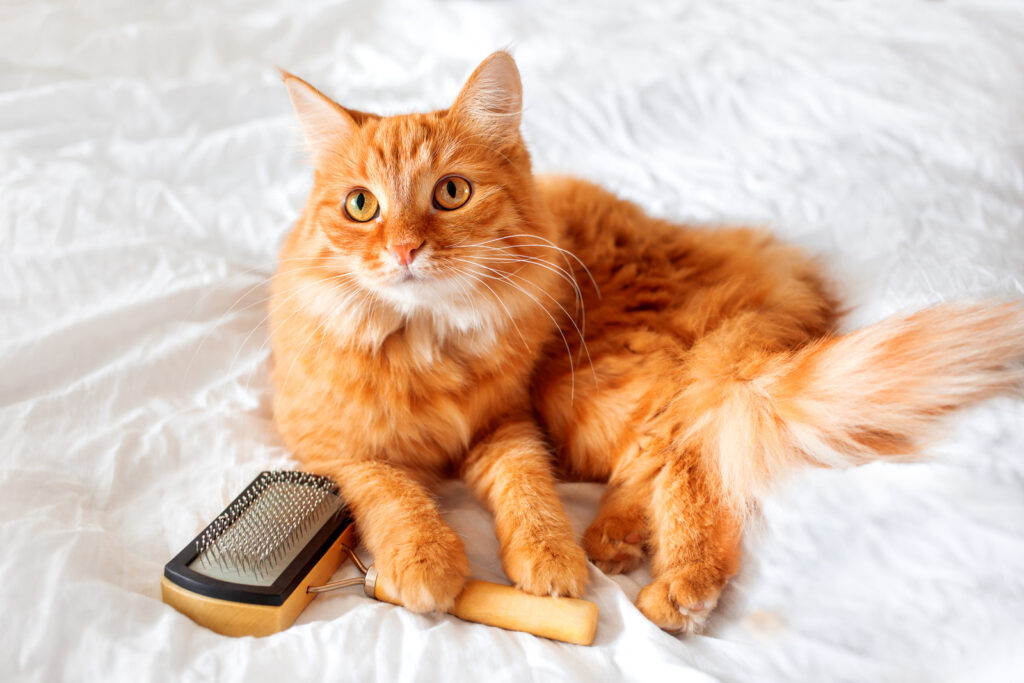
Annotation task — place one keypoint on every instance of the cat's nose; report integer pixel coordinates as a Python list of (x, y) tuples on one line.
[(405, 252)]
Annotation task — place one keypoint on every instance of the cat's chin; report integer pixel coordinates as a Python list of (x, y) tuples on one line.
[(411, 291), (405, 277), (443, 299)]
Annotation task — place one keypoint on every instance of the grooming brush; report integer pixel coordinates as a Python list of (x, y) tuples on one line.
[(261, 561)]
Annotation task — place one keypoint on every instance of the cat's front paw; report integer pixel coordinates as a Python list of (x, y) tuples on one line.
[(424, 574), (677, 604), (615, 543), (546, 566)]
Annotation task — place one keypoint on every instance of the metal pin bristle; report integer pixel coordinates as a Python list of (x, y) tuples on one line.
[(255, 535)]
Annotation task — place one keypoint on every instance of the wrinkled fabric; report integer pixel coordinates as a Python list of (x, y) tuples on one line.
[(149, 167)]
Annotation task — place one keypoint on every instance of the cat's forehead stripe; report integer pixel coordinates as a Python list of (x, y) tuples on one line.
[(398, 140), (400, 149)]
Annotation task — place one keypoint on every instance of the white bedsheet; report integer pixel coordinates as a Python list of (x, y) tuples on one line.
[(149, 167)]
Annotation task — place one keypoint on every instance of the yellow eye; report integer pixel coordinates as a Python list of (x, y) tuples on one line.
[(451, 192), (361, 206)]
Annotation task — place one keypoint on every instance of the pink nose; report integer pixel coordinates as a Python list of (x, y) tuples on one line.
[(405, 252)]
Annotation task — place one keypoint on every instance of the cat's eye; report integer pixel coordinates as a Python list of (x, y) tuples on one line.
[(361, 206), (451, 192)]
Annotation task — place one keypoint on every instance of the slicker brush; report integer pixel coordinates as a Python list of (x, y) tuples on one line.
[(255, 567)]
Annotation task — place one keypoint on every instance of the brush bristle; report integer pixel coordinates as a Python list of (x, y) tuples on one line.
[(259, 531)]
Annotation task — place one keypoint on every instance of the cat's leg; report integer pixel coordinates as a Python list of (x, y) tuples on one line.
[(696, 540), (419, 558), (510, 471), (616, 539)]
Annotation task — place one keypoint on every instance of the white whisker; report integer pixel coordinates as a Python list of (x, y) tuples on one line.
[(558, 328), (565, 275), (580, 332), (502, 304), (287, 295)]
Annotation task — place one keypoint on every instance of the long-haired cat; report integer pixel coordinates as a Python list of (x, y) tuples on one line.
[(440, 311)]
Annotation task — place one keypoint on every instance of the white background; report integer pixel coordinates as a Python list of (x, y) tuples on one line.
[(149, 167)]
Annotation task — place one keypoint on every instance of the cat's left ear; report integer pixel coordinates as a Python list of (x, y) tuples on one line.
[(325, 124), (492, 99)]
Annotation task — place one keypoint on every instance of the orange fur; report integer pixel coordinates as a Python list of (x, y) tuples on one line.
[(718, 371), (703, 368), (386, 384)]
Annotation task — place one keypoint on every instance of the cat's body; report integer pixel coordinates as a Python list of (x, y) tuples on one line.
[(660, 290), (426, 341)]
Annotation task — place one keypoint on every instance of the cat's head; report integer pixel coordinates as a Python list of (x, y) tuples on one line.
[(421, 211)]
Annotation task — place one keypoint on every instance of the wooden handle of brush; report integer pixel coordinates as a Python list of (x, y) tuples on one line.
[(566, 619)]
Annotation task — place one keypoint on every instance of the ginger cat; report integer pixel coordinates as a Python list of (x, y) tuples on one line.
[(439, 311)]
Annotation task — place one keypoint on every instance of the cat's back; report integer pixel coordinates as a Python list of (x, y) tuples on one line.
[(609, 233), (603, 230), (673, 276)]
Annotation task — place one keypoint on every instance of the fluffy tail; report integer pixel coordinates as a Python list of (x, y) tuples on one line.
[(876, 393)]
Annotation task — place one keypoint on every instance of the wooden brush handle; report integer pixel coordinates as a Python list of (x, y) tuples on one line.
[(566, 619)]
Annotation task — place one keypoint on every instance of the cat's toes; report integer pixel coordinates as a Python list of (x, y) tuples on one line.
[(555, 567), (615, 544), (675, 606), (424, 575)]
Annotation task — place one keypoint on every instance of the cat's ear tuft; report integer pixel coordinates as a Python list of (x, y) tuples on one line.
[(492, 99), (324, 123)]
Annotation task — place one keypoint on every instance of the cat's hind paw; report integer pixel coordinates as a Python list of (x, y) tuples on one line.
[(615, 544), (673, 605)]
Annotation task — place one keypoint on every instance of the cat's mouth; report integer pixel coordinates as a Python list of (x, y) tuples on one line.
[(406, 276)]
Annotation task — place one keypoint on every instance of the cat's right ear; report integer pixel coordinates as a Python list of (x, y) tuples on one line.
[(492, 99), (324, 123)]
